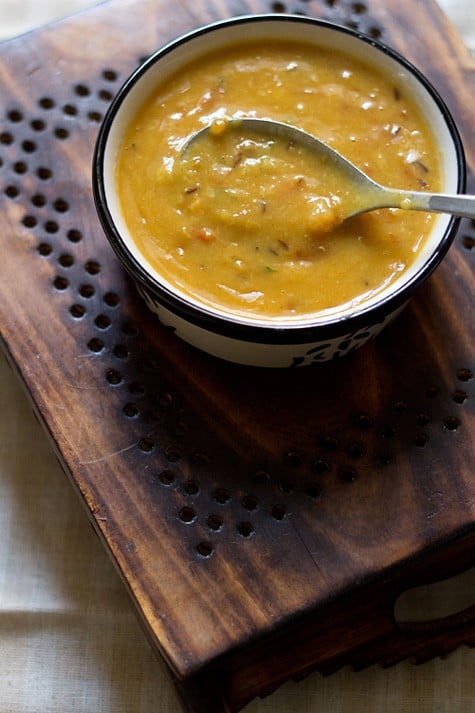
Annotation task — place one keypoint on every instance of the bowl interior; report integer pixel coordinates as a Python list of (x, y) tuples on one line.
[(189, 48)]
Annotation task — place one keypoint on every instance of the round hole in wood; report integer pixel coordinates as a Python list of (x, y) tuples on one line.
[(29, 221), (187, 514), (102, 321), (38, 200), (136, 388), (70, 110), (51, 226), (12, 191), (313, 490), (261, 477), (321, 466), (61, 205), (105, 95), (44, 173), (214, 522), (173, 453), (166, 477), (421, 440), (92, 267), (15, 115), (459, 396), (356, 450), (95, 345), (383, 458), (77, 311), (20, 167), (131, 410), (279, 511), (110, 75), (451, 423), (205, 549), (292, 458), (200, 458), (111, 299), (245, 529), (191, 487), (249, 502), (28, 146), (46, 103), (221, 495), (130, 329), (38, 125), (468, 242), (61, 133), (121, 351), (66, 260), (114, 377), (87, 291), (401, 407), (75, 236), (375, 32), (60, 282), (146, 444), (6, 138), (45, 249), (347, 474), (95, 116), (464, 374), (363, 420), (82, 90)]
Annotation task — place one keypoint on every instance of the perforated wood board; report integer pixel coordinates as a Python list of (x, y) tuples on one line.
[(264, 522)]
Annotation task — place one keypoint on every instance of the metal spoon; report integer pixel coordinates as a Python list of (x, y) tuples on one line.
[(365, 194)]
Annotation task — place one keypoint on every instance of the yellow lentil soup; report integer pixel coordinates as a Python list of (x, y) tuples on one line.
[(251, 224)]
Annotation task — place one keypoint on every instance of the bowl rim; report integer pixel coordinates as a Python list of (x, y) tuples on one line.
[(228, 324)]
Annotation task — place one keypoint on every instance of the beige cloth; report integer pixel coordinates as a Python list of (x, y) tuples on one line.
[(69, 640)]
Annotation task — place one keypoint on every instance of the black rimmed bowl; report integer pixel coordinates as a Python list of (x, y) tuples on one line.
[(267, 342)]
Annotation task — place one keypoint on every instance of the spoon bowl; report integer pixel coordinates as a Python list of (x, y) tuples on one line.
[(362, 194)]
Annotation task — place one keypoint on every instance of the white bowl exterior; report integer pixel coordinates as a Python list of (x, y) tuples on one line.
[(259, 353), (282, 29)]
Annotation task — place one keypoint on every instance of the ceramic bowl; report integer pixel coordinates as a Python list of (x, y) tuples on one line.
[(234, 337)]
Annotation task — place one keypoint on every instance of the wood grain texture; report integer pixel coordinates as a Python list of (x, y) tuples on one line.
[(263, 522)]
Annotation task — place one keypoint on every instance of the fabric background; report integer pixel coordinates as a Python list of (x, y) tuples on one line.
[(69, 640)]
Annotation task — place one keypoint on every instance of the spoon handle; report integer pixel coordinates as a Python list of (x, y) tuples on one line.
[(464, 206), (461, 205)]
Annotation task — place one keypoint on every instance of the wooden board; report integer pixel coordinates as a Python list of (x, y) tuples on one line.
[(264, 522)]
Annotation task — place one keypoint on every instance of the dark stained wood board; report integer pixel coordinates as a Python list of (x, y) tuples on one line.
[(264, 522)]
